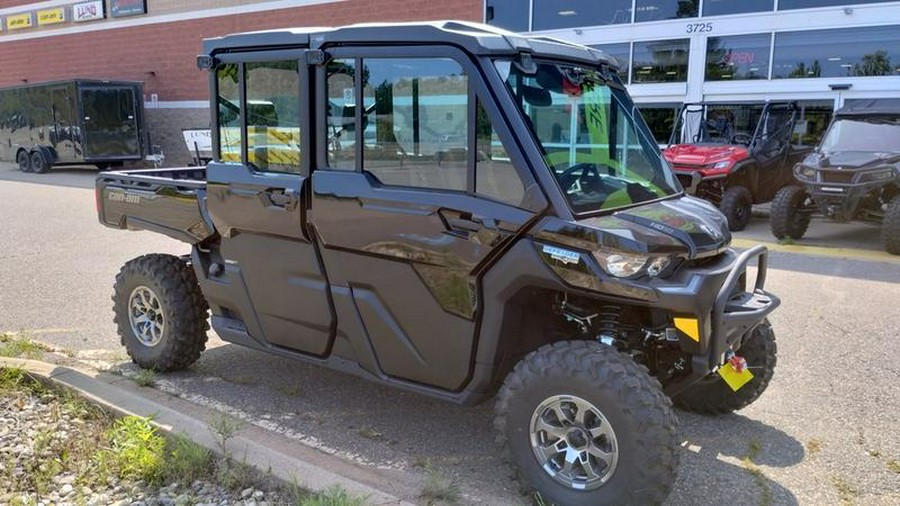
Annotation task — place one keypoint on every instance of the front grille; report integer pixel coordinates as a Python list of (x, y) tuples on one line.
[(837, 176), (685, 180)]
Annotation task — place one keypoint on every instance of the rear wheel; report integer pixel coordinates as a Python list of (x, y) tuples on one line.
[(737, 206), (39, 162), (586, 425), (712, 396), (890, 231), (24, 161), (788, 218), (160, 312)]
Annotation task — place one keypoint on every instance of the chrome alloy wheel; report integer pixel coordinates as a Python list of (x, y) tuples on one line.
[(573, 442), (145, 313)]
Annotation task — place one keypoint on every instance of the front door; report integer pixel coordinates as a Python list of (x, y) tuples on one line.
[(255, 200), (110, 123), (414, 197)]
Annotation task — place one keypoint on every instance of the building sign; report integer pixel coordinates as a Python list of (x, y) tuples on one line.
[(121, 8), (18, 21), (51, 16), (88, 11)]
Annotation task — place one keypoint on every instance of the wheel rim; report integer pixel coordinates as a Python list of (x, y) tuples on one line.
[(37, 161), (23, 161), (145, 313), (574, 442)]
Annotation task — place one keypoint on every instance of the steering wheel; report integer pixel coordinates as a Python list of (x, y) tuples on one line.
[(569, 177), (741, 138)]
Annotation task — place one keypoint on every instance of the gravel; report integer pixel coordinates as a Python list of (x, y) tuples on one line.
[(33, 430)]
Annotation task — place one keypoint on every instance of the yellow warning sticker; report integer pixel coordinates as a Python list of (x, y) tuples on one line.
[(734, 378)]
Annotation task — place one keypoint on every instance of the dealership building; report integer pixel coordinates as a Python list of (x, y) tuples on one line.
[(818, 53)]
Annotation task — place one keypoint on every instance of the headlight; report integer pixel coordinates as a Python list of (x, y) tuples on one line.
[(880, 175), (806, 173), (624, 264), (722, 165)]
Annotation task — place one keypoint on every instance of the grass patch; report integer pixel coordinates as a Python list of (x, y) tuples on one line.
[(894, 466), (135, 450), (813, 446), (145, 378), (369, 433), (845, 491), (786, 241), (333, 496), (290, 390), (762, 482), (14, 346), (439, 488), (188, 461), (18, 380)]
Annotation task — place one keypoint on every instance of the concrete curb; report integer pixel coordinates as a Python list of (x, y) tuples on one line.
[(288, 460)]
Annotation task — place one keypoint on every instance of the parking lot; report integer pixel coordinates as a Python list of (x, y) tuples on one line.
[(825, 432)]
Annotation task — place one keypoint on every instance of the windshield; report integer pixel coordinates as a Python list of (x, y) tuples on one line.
[(592, 136), (875, 135)]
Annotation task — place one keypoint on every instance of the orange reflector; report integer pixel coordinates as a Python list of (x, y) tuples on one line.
[(690, 326)]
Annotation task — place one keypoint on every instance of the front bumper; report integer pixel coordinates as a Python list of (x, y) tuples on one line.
[(735, 313)]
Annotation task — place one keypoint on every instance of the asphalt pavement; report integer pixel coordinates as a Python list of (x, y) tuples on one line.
[(824, 433)]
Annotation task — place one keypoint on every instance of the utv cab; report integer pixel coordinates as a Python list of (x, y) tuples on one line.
[(854, 174), (733, 168)]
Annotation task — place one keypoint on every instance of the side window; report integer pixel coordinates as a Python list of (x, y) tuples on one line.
[(341, 113), (415, 122), (273, 115), (495, 176), (229, 113)]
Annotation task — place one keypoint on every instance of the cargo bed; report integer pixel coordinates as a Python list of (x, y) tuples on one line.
[(167, 201)]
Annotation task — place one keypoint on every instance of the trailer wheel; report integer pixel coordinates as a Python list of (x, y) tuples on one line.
[(586, 425), (39, 162), (24, 161), (160, 312)]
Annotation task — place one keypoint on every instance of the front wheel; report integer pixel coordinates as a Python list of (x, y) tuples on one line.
[(160, 312), (586, 425), (737, 206), (712, 396), (788, 217), (890, 228)]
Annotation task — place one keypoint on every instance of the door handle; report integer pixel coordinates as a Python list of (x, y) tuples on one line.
[(280, 199), (469, 225)]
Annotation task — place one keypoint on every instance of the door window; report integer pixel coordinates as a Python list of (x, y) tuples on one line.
[(229, 113), (495, 176), (273, 115), (341, 114)]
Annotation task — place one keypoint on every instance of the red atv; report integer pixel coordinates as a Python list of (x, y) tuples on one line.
[(734, 169)]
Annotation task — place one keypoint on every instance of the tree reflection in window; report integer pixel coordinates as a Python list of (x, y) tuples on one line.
[(660, 61)]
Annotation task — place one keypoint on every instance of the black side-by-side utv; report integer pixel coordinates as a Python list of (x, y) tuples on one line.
[(854, 174)]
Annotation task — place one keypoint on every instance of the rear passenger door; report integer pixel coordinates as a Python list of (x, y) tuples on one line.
[(274, 282), (416, 193)]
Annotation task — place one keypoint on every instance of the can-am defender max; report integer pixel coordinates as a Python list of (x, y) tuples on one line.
[(733, 169), (854, 174), (470, 213)]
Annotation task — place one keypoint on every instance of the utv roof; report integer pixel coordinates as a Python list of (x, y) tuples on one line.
[(475, 38), (870, 107)]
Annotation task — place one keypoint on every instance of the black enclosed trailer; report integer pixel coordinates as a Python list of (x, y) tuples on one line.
[(72, 122)]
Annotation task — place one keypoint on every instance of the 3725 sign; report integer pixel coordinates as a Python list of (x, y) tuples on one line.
[(698, 27)]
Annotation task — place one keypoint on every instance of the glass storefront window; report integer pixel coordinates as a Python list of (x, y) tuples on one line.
[(622, 53), (738, 57), (722, 7), (554, 14), (784, 5), (812, 121), (660, 61), (655, 10), (509, 14), (847, 52), (661, 119)]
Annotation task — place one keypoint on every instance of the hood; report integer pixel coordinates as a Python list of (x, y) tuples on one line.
[(850, 160), (685, 226), (703, 154)]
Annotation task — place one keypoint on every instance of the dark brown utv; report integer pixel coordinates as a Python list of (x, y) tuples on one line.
[(854, 174), (396, 202)]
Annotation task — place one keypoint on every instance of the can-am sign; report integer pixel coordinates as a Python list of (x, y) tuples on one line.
[(88, 11), (121, 8)]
